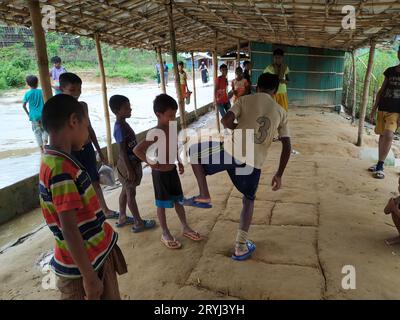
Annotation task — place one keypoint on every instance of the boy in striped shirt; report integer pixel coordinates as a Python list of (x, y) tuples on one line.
[(86, 256)]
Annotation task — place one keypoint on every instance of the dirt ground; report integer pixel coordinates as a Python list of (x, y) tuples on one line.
[(329, 214)]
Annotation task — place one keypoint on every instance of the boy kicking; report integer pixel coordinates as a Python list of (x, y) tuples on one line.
[(129, 167), (260, 113), (86, 256), (71, 84), (166, 182)]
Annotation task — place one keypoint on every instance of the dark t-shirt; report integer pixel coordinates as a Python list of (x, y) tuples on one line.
[(390, 99), (123, 133)]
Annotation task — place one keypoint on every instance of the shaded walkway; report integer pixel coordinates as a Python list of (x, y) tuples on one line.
[(328, 214)]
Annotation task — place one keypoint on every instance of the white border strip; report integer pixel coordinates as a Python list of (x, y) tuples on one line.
[(315, 72)]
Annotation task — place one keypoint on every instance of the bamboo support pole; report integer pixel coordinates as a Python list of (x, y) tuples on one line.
[(41, 49), (172, 37), (162, 76), (354, 104), (194, 85), (364, 101), (105, 102), (238, 54), (215, 69)]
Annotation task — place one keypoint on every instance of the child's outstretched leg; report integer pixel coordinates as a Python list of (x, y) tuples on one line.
[(187, 231), (166, 238), (242, 243)]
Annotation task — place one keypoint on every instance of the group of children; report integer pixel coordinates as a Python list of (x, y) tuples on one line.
[(86, 255)]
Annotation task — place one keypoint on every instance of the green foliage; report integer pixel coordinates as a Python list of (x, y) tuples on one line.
[(384, 58), (77, 54)]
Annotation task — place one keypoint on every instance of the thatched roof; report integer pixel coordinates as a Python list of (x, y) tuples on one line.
[(144, 24)]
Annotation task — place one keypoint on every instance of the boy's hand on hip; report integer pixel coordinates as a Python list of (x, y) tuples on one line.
[(93, 287), (276, 183)]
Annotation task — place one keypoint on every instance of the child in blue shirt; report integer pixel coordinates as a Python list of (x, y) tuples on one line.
[(34, 98)]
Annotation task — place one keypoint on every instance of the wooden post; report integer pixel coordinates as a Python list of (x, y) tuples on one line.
[(238, 54), (41, 50), (215, 68), (194, 85), (105, 102), (364, 101), (160, 61), (179, 94), (354, 105)]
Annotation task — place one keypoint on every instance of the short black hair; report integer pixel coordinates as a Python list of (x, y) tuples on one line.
[(32, 81), (239, 69), (180, 63), (164, 102), (278, 52), (56, 59), (58, 109), (116, 102), (69, 78), (223, 66), (268, 81), (245, 63)]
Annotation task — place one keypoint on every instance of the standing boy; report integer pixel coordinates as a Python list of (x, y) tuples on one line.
[(34, 98), (247, 73), (86, 256), (220, 91), (166, 182), (260, 113), (129, 166), (71, 84), (388, 105), (55, 74), (279, 68)]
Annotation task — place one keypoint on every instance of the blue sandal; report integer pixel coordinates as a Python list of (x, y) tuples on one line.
[(129, 220), (147, 224), (251, 247), (193, 203)]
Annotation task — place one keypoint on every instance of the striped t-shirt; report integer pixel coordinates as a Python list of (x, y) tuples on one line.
[(65, 186)]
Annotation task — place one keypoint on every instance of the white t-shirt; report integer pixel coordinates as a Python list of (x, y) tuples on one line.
[(265, 118)]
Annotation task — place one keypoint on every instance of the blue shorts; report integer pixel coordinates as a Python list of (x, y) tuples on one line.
[(213, 158), (87, 157)]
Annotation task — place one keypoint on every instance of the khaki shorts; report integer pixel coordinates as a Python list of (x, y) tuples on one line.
[(386, 121), (72, 289), (123, 174)]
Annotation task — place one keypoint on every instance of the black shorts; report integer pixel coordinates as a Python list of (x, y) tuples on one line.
[(87, 157), (167, 188), (213, 158)]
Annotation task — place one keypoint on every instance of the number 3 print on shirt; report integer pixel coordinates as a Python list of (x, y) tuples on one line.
[(262, 133)]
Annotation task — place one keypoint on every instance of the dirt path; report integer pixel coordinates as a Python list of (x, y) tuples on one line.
[(329, 214)]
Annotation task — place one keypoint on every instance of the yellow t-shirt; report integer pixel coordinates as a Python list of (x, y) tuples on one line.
[(265, 117), (182, 77), (282, 86)]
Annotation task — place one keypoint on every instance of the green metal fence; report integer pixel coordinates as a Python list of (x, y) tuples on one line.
[(316, 74)]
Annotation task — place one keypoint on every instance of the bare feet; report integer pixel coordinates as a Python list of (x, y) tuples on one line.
[(392, 241)]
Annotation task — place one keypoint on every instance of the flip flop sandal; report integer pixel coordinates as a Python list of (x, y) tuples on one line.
[(251, 247), (171, 244), (193, 203), (195, 236), (114, 215), (129, 220), (379, 174), (147, 224)]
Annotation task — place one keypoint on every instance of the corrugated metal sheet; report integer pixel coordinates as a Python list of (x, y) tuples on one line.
[(316, 74)]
